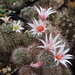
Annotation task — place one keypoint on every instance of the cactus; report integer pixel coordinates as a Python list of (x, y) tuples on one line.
[(28, 13), (56, 70), (15, 4), (49, 67), (68, 31), (50, 3), (1, 45), (59, 70), (10, 38), (46, 58), (33, 50), (20, 56), (26, 71), (25, 55), (27, 38), (44, 3)]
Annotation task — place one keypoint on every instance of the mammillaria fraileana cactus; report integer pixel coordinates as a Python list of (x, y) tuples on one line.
[(27, 13), (59, 56), (20, 56), (10, 37), (50, 43), (26, 70), (50, 3), (65, 19), (46, 58), (15, 4), (27, 38), (56, 70)]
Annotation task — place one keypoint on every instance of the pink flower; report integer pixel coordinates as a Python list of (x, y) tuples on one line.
[(61, 56), (50, 43), (38, 26), (36, 65), (44, 13)]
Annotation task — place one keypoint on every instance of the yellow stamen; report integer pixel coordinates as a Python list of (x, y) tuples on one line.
[(50, 45), (15, 27), (58, 56), (41, 28)]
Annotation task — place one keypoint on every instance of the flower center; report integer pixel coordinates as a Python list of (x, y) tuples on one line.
[(42, 17), (40, 29), (48, 41), (44, 10), (58, 56), (15, 27)]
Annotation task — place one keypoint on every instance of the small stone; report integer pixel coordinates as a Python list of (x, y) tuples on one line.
[(74, 21), (1, 71), (63, 24), (67, 31), (8, 68), (64, 18), (8, 73), (68, 20), (4, 70), (70, 24), (73, 36)]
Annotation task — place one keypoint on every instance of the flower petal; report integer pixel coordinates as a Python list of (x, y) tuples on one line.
[(55, 39), (66, 51), (42, 41)]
